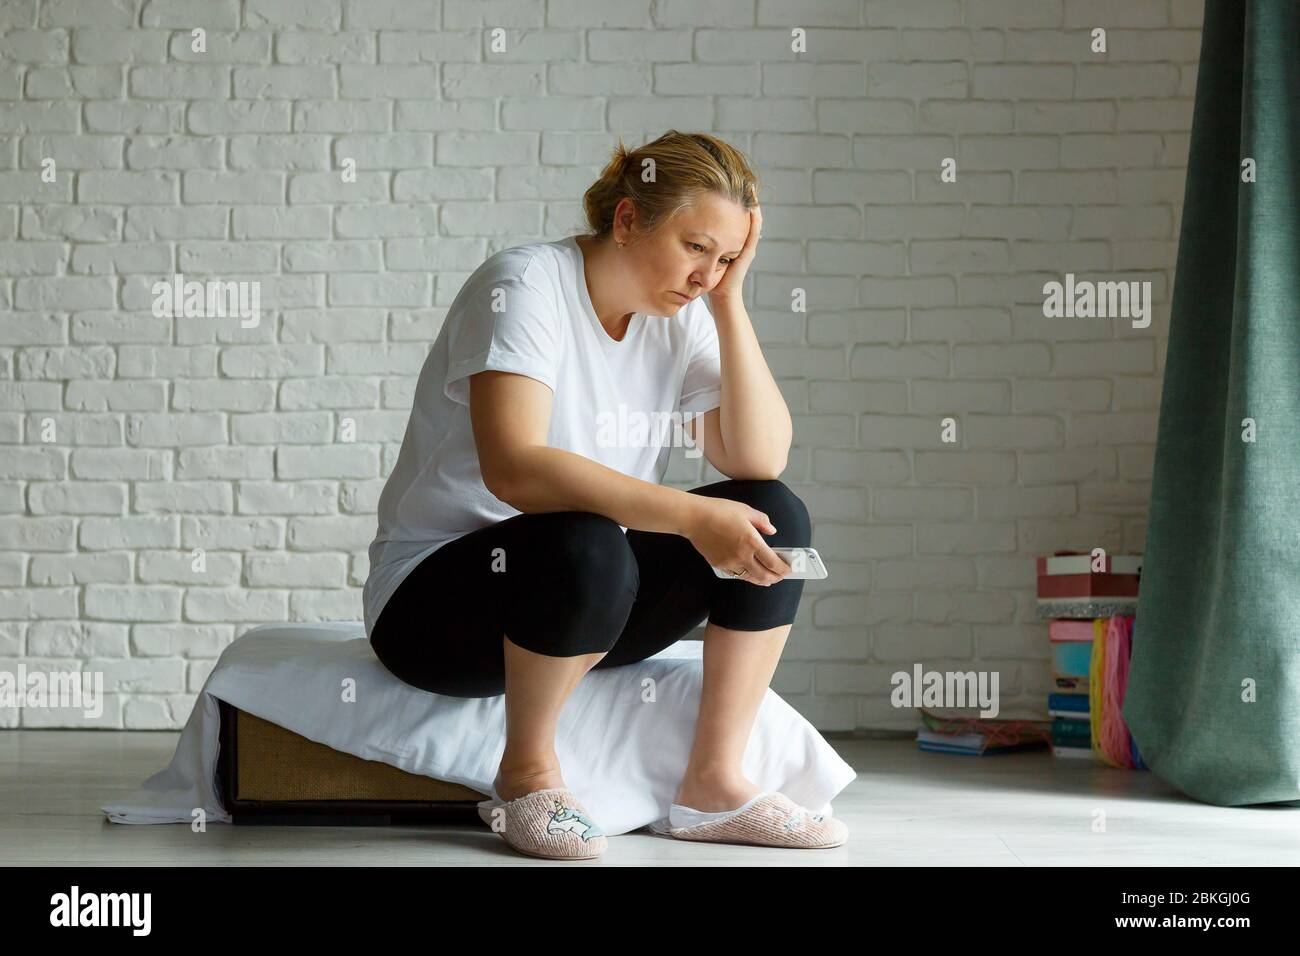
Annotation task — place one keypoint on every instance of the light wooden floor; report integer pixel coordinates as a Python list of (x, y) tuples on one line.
[(905, 808)]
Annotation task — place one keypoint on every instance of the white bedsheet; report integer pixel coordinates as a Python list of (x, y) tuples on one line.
[(622, 746)]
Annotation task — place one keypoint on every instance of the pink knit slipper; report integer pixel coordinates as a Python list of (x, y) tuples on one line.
[(773, 820), (551, 824)]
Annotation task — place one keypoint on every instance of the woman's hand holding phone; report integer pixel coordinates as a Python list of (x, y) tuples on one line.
[(728, 534)]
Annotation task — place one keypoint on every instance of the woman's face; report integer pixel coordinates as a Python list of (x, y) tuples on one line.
[(687, 254)]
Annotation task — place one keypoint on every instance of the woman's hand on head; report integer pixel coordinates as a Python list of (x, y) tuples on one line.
[(734, 278), (727, 534)]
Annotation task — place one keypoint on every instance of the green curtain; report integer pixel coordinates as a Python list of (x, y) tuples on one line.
[(1220, 594)]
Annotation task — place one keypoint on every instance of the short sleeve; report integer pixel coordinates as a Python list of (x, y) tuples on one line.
[(522, 336), (702, 384)]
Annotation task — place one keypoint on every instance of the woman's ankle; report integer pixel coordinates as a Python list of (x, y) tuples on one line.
[(715, 792), (514, 781)]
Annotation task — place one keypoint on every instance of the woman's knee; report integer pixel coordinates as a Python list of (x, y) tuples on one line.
[(785, 509), (583, 581), (591, 553)]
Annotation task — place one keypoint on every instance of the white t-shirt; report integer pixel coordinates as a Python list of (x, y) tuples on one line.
[(621, 403)]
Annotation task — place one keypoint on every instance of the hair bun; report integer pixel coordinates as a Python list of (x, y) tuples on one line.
[(687, 165)]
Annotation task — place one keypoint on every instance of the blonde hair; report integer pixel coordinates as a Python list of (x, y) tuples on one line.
[(686, 166)]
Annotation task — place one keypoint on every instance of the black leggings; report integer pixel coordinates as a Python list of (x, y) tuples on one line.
[(564, 583)]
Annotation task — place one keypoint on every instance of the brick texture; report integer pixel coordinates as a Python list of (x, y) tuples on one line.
[(131, 443)]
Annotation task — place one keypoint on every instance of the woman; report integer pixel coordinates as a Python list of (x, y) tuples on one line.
[(520, 545)]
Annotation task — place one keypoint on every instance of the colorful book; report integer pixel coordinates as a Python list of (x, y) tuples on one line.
[(974, 745), (1070, 685), (1071, 659), (1088, 585), (978, 736), (1059, 751), (1069, 731), (1067, 705), (1066, 630), (1077, 562)]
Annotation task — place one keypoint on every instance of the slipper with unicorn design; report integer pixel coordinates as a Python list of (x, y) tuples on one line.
[(551, 824)]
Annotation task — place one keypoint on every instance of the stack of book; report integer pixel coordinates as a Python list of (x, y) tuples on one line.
[(1073, 591), (978, 737), (1068, 703)]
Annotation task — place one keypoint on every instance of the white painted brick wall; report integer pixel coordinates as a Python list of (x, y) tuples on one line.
[(924, 296)]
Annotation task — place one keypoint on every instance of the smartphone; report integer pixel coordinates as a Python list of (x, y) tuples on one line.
[(805, 564)]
